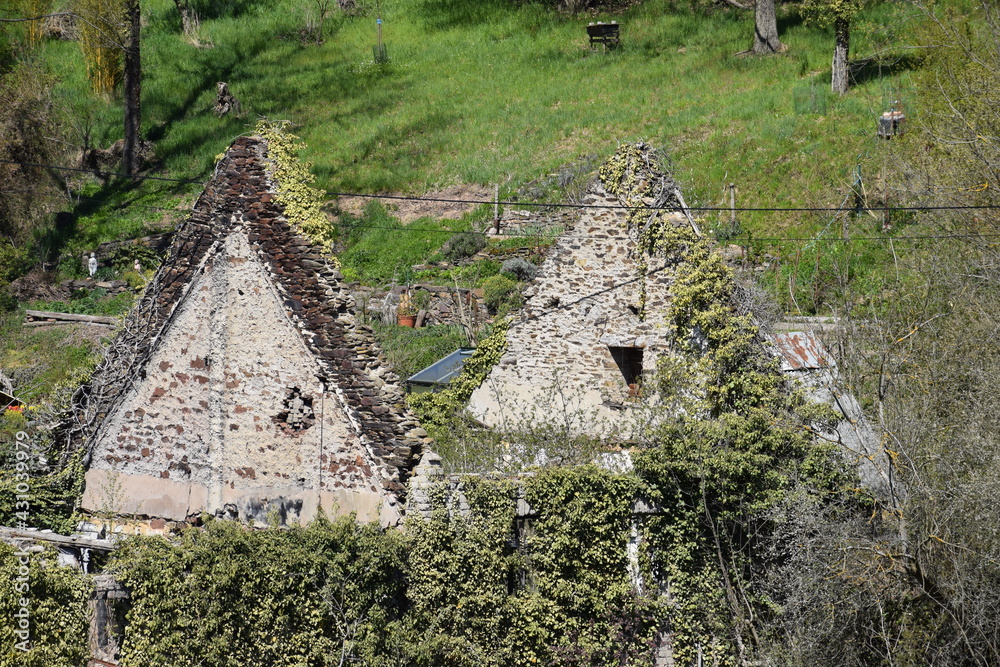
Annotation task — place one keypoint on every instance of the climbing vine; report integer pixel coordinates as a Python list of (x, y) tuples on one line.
[(57, 610), (437, 409), (327, 594), (738, 441), (302, 203), (551, 588), (474, 583), (536, 571), (54, 476)]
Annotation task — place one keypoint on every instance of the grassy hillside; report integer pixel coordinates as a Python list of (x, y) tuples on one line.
[(493, 91), (481, 92)]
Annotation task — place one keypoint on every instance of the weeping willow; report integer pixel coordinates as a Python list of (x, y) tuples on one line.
[(102, 34)]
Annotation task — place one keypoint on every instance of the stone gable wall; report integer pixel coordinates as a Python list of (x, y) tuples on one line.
[(237, 236), (584, 300)]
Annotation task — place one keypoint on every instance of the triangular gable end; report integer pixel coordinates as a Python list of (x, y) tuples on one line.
[(244, 387)]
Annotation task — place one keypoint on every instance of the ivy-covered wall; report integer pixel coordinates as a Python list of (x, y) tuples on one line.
[(477, 588), (580, 580), (54, 632)]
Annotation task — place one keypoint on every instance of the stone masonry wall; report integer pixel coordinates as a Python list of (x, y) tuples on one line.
[(584, 301), (244, 335)]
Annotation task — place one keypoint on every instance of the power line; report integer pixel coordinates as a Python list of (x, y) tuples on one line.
[(60, 195), (762, 209), (553, 237), (746, 209)]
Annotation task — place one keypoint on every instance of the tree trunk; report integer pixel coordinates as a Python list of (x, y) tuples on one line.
[(842, 32), (184, 9), (131, 157), (765, 30)]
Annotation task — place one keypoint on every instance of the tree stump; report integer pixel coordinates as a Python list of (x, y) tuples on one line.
[(225, 101)]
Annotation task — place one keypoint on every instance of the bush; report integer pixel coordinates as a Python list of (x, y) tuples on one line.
[(520, 269), (13, 264), (501, 294), (462, 245)]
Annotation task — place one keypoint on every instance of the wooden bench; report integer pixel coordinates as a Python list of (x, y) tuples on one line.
[(605, 34)]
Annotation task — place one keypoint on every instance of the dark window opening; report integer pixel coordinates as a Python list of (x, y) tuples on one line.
[(629, 360)]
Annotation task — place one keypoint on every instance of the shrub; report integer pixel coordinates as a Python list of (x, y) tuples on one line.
[(520, 269), (124, 258), (462, 245), (13, 264), (501, 294)]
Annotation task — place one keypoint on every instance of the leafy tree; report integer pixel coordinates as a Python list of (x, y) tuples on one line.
[(26, 117), (110, 32), (839, 14)]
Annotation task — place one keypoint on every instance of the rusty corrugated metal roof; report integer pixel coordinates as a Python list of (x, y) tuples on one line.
[(800, 350)]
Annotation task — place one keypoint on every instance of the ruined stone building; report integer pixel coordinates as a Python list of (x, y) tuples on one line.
[(242, 385), (591, 330), (594, 325)]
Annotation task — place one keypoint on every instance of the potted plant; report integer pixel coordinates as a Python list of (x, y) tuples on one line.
[(406, 314)]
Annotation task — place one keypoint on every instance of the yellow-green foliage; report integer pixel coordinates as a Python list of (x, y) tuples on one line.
[(34, 29), (457, 589), (561, 595), (740, 441), (229, 595), (303, 203), (628, 174), (102, 34), (438, 408), (58, 608)]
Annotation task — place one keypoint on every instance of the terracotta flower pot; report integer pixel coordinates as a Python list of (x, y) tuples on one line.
[(406, 320)]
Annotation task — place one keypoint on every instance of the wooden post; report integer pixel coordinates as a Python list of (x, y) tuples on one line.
[(732, 205), (777, 271), (885, 200), (496, 209)]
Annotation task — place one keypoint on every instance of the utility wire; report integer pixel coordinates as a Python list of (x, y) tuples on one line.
[(136, 177), (425, 230), (760, 209)]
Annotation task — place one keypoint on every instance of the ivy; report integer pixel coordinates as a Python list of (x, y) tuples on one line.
[(58, 622), (54, 497), (553, 590), (437, 409), (737, 441), (327, 594), (302, 203), (462, 569)]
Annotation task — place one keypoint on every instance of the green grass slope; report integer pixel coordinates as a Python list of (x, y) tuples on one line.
[(488, 91)]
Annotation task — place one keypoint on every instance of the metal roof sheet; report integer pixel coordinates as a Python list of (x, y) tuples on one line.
[(801, 350), (444, 370)]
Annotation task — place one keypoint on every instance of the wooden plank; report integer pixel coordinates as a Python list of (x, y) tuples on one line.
[(65, 323), (72, 317), (8, 534)]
